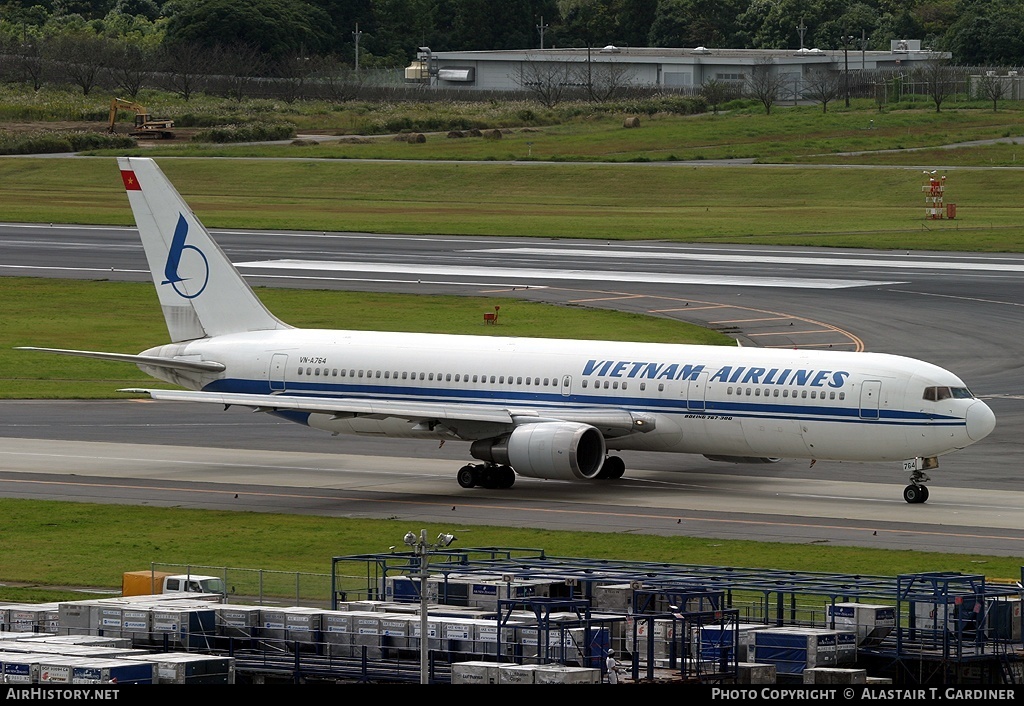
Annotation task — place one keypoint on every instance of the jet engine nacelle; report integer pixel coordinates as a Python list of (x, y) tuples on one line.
[(742, 459), (550, 450)]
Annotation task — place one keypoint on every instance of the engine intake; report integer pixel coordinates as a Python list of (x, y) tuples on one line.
[(550, 450)]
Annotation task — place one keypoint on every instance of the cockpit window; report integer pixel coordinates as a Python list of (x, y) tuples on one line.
[(935, 394)]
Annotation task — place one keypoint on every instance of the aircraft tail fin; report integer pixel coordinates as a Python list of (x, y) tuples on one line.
[(201, 293)]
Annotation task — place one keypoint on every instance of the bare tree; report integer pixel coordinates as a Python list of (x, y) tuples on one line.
[(994, 88), (80, 57), (605, 79), (547, 81), (292, 72), (822, 86), (939, 77), (238, 67), (130, 66), (765, 83), (29, 60), (334, 79), (183, 67)]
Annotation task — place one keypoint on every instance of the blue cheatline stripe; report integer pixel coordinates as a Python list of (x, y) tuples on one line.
[(555, 400)]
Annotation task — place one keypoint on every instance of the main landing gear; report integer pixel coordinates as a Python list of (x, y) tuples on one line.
[(486, 475), (493, 475), (612, 469), (916, 492)]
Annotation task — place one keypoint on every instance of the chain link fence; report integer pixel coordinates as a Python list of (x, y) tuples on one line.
[(263, 586)]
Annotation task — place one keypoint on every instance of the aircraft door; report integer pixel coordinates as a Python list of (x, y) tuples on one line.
[(278, 366), (696, 389), (566, 385), (870, 397)]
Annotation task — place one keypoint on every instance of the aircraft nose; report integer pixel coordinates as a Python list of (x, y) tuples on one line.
[(980, 421)]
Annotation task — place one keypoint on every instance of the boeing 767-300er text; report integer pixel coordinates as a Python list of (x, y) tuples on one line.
[(539, 408)]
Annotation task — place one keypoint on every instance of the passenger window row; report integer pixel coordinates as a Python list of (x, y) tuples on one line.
[(446, 377), (775, 392)]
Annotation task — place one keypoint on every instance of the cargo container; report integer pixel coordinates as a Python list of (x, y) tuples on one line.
[(717, 641), (561, 674), (238, 621), (871, 623), (113, 671), (21, 668), (474, 672), (193, 668)]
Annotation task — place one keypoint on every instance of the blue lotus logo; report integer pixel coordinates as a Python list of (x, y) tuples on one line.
[(185, 272)]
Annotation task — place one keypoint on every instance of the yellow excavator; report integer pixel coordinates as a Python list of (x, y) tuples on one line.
[(146, 127)]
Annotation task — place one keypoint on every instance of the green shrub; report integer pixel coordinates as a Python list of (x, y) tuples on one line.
[(527, 116), (399, 124), (671, 104), (81, 141), (52, 142), (738, 104), (251, 132)]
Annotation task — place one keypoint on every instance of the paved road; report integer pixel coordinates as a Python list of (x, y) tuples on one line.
[(957, 310)]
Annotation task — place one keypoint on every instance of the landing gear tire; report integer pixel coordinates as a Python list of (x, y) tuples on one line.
[(506, 477), (915, 494), (467, 476), (486, 476), (612, 469)]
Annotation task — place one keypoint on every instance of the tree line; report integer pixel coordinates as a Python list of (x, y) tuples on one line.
[(285, 38)]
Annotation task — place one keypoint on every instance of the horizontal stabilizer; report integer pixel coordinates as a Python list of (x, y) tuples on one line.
[(206, 366)]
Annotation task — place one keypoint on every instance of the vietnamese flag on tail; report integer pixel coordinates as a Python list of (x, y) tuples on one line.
[(130, 182)]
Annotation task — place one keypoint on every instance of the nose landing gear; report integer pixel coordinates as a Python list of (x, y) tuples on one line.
[(916, 492)]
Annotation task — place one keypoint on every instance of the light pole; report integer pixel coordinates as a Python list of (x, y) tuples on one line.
[(421, 548), (541, 28), (846, 66), (356, 35)]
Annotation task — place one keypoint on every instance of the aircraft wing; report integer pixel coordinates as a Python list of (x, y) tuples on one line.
[(609, 422)]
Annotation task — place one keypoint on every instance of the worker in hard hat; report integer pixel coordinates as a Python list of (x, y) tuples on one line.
[(611, 667)]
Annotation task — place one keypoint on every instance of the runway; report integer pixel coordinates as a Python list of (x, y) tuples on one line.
[(960, 311), (421, 488)]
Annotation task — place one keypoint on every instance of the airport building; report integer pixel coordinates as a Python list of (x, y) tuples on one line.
[(681, 69)]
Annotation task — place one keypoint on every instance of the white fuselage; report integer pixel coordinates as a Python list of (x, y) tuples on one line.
[(722, 401)]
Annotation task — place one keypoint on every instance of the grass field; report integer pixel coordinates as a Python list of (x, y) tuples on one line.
[(791, 135), (647, 194), (870, 208), (86, 544), (598, 179)]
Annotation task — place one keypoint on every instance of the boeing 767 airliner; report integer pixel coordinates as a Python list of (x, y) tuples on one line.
[(538, 408)]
